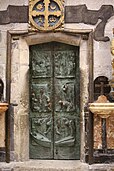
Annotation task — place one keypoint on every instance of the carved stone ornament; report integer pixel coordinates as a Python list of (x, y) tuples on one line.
[(46, 15)]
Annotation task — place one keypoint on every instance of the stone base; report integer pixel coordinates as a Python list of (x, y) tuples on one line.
[(45, 165), (54, 165), (102, 167)]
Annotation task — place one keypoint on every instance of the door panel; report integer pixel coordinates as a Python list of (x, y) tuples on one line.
[(54, 101), (41, 96), (64, 95), (65, 136), (41, 130), (64, 63), (41, 64), (65, 104)]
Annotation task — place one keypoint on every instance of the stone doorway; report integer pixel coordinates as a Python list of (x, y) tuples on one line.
[(18, 85), (54, 101)]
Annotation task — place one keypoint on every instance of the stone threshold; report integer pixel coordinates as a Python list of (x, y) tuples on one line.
[(45, 165), (54, 165)]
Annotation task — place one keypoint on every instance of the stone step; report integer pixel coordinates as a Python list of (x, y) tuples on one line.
[(54, 165), (47, 165)]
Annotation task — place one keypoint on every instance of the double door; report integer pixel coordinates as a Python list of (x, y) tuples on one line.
[(54, 101)]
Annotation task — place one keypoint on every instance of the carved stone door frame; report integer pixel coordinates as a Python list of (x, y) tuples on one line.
[(81, 38)]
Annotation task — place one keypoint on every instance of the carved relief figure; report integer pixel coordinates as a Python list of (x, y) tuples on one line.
[(41, 64), (64, 129), (41, 131), (40, 99), (65, 63), (65, 97)]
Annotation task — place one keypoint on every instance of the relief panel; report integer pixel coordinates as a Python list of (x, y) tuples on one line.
[(41, 131), (66, 136), (41, 137), (41, 97), (64, 95), (65, 64), (41, 64)]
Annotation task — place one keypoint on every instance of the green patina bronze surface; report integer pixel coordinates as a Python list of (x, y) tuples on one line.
[(54, 101)]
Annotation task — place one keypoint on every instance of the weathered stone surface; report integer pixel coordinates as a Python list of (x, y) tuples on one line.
[(90, 4), (101, 167), (4, 4), (14, 14), (7, 169), (52, 165), (45, 165), (80, 14), (24, 127), (2, 130), (98, 170)]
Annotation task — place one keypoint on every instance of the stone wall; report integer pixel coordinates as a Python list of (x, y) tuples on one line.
[(102, 55), (3, 57), (102, 62)]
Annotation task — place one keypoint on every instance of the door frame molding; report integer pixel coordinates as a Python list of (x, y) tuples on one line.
[(76, 37)]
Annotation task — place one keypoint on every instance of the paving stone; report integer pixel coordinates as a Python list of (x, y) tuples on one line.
[(98, 169), (7, 169)]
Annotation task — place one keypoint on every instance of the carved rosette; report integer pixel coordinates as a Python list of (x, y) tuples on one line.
[(46, 15)]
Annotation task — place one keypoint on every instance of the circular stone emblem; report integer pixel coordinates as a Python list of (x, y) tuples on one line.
[(46, 14)]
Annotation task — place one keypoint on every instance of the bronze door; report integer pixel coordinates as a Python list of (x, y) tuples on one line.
[(54, 101)]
